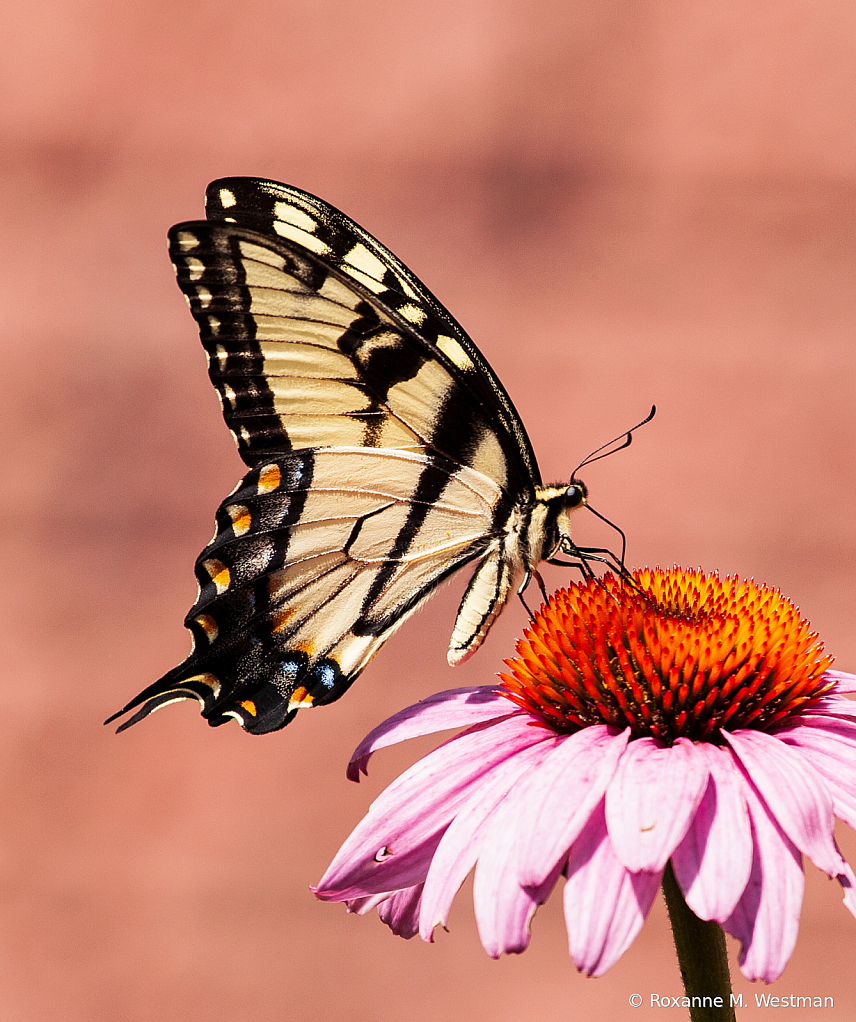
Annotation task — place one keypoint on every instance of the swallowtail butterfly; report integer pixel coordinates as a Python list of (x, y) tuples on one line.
[(383, 455)]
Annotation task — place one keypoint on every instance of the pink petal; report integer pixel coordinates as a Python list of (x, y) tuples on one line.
[(504, 907), (362, 906), (832, 705), (400, 912), (605, 905), (767, 916), (460, 845), (713, 862), (794, 791), (556, 801), (457, 707), (847, 879), (846, 682), (652, 800), (830, 746), (392, 846)]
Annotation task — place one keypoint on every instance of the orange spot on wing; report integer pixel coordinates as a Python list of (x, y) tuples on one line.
[(219, 574), (208, 625), (269, 478), (300, 698), (241, 519)]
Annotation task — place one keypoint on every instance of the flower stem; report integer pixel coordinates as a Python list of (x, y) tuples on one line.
[(701, 955)]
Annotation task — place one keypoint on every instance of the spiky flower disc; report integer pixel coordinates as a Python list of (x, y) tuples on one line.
[(683, 655)]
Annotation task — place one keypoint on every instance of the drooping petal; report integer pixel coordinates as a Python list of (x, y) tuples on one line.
[(796, 794), (462, 842), (362, 906), (556, 801), (847, 879), (652, 799), (714, 861), (504, 906), (829, 745), (457, 707), (400, 912), (766, 918), (605, 904), (392, 846)]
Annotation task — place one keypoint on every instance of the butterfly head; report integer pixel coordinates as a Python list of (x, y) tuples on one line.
[(558, 504)]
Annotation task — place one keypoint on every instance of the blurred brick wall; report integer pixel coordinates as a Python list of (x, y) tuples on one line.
[(623, 203)]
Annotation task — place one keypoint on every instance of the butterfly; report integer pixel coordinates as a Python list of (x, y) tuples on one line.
[(383, 455)]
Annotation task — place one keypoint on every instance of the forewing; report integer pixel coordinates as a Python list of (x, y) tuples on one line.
[(317, 558), (317, 228)]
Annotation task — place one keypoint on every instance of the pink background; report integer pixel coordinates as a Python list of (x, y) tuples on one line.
[(623, 203)]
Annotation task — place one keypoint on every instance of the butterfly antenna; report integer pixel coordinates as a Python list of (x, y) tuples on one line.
[(596, 454)]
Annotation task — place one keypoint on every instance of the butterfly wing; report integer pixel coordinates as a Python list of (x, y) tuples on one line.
[(317, 558), (383, 453), (316, 227)]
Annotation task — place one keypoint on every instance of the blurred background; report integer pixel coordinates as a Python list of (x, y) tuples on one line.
[(623, 203)]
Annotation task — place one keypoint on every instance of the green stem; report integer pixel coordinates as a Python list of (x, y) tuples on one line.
[(701, 956)]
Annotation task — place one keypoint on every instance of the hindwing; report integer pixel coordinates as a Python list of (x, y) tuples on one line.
[(318, 557)]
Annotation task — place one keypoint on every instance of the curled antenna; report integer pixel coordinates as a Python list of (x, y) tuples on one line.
[(585, 554), (596, 455)]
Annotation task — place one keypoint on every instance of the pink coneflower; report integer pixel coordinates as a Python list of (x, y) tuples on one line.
[(695, 721)]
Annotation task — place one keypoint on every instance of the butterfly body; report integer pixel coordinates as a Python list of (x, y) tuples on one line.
[(383, 455)]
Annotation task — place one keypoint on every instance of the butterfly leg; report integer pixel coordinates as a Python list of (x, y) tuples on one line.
[(527, 578), (596, 553), (586, 554), (580, 565), (541, 586)]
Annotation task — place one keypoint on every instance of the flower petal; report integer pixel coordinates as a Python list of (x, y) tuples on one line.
[(362, 906), (504, 906), (847, 879), (460, 845), (400, 912), (846, 682), (832, 705), (605, 905), (767, 916), (794, 791), (457, 707), (391, 847), (652, 800), (829, 744), (556, 801), (714, 861)]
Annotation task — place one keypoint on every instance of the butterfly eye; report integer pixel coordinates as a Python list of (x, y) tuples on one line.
[(575, 495)]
